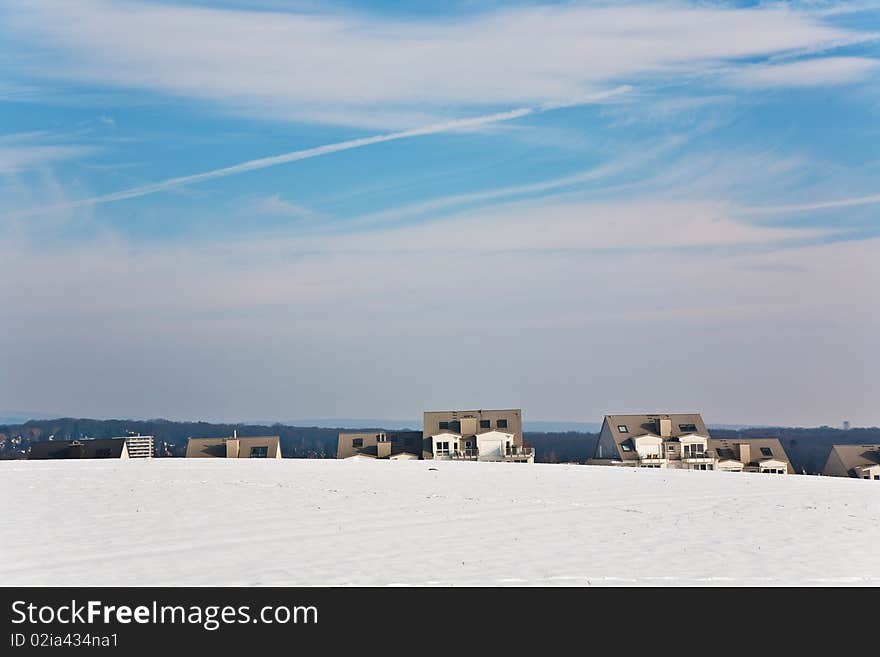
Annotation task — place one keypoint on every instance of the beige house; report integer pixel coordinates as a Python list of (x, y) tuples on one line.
[(394, 445), (481, 435), (266, 447), (658, 440), (858, 461), (765, 455)]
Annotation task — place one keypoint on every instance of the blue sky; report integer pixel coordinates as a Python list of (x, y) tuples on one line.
[(576, 208)]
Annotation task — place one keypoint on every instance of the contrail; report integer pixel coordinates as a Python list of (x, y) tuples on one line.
[(293, 156)]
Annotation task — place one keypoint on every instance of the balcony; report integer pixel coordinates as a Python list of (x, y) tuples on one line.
[(517, 452), (698, 457), (465, 455)]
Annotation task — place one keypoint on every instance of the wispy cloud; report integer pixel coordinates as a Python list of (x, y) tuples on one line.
[(318, 151), (31, 150), (808, 207), (354, 68), (275, 205), (807, 73)]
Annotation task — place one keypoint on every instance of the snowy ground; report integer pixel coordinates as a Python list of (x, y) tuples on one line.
[(325, 522)]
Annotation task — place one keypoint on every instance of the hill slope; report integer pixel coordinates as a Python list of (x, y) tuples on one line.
[(327, 522)]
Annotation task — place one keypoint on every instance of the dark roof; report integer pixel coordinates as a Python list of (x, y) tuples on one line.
[(109, 448)]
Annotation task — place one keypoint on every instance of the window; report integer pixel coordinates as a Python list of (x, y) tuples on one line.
[(766, 451), (626, 445), (687, 428), (725, 453), (670, 448), (876, 476), (501, 424), (444, 425), (357, 442), (485, 424), (259, 452), (622, 428), (455, 426)]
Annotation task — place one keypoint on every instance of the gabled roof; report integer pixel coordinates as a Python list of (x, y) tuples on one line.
[(108, 448), (853, 456), (637, 425), (728, 449)]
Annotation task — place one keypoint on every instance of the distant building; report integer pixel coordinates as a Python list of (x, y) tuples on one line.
[(109, 448), (395, 445), (655, 440), (139, 447), (481, 435), (765, 455), (858, 461), (846, 425), (234, 447)]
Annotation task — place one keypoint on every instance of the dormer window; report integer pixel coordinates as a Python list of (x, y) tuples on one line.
[(766, 451), (687, 428), (622, 428)]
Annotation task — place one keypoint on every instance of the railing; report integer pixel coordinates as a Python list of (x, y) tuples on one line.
[(465, 455), (697, 456), (519, 451)]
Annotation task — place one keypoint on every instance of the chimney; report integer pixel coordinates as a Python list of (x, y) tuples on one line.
[(383, 449), (664, 427), (745, 453)]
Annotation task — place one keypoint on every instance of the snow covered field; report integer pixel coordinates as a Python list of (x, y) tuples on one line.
[(327, 522)]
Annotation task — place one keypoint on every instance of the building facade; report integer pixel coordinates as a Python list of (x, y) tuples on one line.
[(655, 440), (139, 447), (764, 455), (394, 445), (234, 447), (480, 435)]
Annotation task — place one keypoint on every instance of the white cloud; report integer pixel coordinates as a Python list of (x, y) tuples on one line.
[(807, 73), (275, 205), (357, 69), (21, 157)]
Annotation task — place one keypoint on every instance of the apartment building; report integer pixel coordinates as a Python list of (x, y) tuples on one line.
[(139, 447), (234, 447), (658, 440), (394, 445), (764, 455), (478, 435), (858, 461), (108, 448)]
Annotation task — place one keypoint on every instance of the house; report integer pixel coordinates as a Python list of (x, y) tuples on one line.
[(234, 447), (481, 435), (139, 447), (858, 461), (765, 455), (659, 440), (394, 445), (108, 448)]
